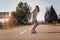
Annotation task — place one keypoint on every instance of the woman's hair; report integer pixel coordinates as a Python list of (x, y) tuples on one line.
[(38, 8)]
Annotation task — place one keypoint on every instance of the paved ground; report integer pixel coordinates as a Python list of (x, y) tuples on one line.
[(44, 32)]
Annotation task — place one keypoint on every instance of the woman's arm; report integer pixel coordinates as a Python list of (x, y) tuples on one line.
[(30, 16)]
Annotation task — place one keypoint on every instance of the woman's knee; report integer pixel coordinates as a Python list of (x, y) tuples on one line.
[(36, 24)]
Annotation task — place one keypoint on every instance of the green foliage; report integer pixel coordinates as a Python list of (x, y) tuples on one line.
[(51, 16), (1, 25), (13, 13), (59, 20), (22, 13)]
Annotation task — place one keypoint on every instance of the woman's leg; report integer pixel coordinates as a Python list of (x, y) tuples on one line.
[(35, 24)]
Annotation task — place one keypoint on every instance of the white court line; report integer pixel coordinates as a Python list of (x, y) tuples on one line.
[(25, 31)]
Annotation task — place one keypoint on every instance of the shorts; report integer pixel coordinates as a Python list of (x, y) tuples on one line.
[(34, 18)]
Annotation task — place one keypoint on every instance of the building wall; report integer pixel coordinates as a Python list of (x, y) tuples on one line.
[(4, 15)]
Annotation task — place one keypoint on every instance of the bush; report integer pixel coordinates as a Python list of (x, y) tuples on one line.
[(1, 25)]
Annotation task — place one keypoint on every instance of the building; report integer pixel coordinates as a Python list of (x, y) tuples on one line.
[(4, 16)]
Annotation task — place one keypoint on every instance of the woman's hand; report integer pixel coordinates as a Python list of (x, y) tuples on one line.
[(29, 16)]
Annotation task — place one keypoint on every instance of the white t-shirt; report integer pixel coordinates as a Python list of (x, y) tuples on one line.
[(34, 15)]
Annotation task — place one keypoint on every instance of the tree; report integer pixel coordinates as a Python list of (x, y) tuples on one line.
[(47, 15), (51, 16), (22, 13), (59, 20), (12, 19)]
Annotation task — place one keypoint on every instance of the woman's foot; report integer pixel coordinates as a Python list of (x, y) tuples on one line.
[(33, 31)]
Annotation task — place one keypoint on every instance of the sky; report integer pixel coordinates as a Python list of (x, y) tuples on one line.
[(10, 5)]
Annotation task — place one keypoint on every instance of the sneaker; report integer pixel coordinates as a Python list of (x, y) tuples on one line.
[(33, 32)]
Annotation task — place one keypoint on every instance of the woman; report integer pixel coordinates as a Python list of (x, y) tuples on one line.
[(34, 19)]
